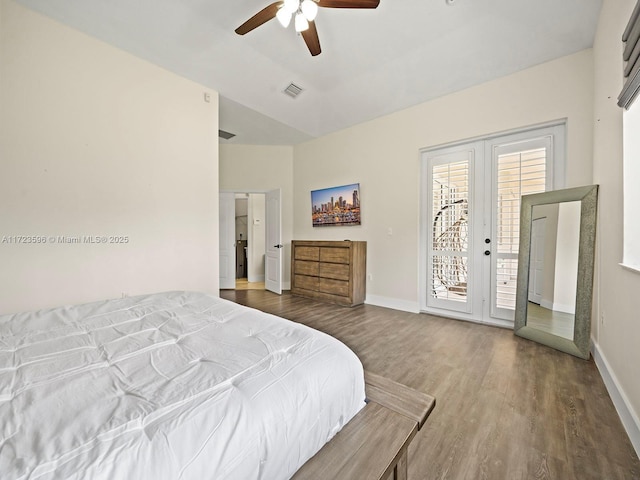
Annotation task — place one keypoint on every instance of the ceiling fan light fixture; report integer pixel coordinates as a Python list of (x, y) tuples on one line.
[(291, 6), (301, 23), (304, 13), (310, 9), (283, 17)]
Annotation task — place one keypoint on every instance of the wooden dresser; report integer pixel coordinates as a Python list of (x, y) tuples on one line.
[(332, 271)]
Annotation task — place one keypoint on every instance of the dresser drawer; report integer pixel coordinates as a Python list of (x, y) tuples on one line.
[(305, 267), (307, 253), (338, 271), (334, 287), (307, 283), (334, 254)]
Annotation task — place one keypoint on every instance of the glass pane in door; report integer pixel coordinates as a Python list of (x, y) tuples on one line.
[(518, 173), (450, 231)]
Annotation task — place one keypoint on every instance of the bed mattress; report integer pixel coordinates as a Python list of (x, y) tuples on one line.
[(178, 385)]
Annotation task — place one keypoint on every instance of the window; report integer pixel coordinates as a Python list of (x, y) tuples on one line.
[(631, 156), (631, 180)]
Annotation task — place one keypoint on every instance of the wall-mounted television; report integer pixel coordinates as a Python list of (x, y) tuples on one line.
[(336, 206)]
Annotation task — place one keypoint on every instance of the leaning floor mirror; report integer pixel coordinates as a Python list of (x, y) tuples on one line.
[(555, 268)]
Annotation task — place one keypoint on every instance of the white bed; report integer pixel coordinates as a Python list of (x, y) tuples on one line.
[(179, 385)]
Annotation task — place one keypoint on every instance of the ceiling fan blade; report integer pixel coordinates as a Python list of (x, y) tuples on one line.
[(348, 3), (310, 36), (264, 15)]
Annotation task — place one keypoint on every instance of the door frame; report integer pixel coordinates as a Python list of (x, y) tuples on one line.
[(558, 180), (258, 192)]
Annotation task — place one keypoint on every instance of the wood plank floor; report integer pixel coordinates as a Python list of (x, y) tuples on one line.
[(507, 408), (244, 284)]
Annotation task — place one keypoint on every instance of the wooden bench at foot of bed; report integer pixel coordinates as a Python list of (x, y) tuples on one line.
[(373, 445)]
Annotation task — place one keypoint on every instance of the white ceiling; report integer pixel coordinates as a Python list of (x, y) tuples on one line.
[(373, 62)]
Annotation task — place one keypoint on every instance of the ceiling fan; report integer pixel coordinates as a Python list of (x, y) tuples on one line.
[(303, 13)]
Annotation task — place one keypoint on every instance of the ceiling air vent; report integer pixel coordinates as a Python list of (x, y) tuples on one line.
[(293, 90), (225, 135)]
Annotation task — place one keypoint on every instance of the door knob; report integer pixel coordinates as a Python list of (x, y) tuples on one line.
[(487, 252), (487, 240)]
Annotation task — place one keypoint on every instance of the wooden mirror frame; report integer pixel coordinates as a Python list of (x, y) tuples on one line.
[(580, 345)]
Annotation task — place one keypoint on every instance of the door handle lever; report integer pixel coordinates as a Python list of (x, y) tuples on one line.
[(277, 246)]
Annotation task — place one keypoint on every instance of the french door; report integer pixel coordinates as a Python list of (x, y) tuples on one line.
[(470, 219)]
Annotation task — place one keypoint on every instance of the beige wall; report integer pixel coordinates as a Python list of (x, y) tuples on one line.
[(255, 168), (616, 327), (383, 156), (94, 141)]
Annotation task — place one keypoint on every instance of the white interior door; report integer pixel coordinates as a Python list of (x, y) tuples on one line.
[(273, 243), (227, 240), (536, 270)]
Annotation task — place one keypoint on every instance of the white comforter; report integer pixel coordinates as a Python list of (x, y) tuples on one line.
[(179, 385)]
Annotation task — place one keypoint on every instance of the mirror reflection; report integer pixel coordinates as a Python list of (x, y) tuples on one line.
[(555, 274), (553, 270)]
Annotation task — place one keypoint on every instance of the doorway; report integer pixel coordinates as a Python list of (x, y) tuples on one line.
[(250, 241), (470, 212)]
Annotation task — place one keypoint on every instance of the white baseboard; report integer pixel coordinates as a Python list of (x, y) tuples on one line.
[(393, 303), (628, 417), (414, 307)]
